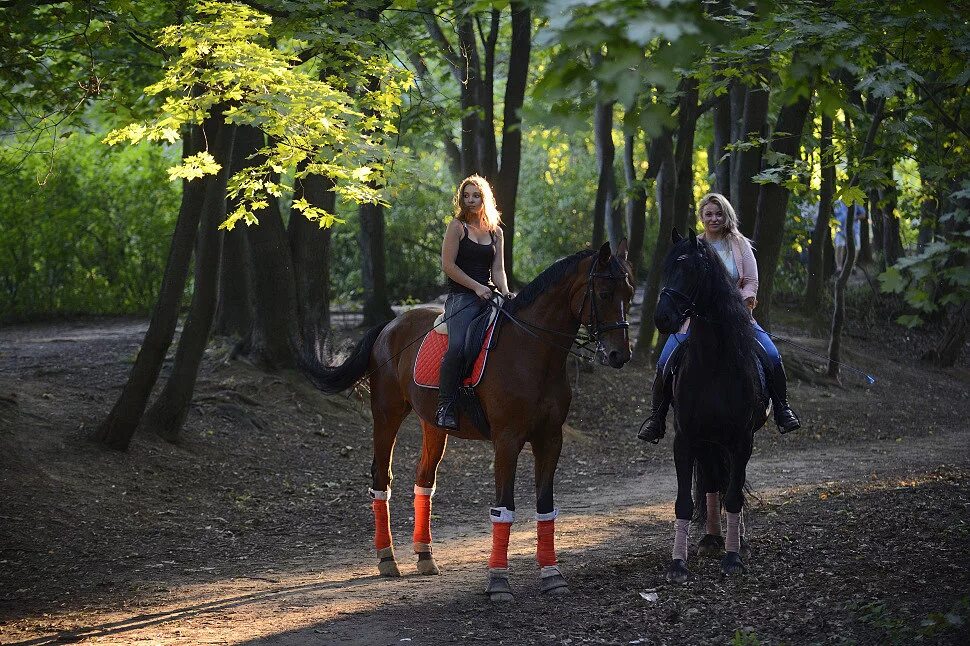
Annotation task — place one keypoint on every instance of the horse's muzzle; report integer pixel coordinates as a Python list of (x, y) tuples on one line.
[(618, 359)]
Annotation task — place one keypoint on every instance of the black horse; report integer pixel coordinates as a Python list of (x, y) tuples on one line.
[(719, 398)]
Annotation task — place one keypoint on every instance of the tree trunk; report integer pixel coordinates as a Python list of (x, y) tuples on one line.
[(168, 413), (769, 232), (636, 204), (118, 428), (520, 48), (666, 191), (605, 151), (377, 307), (875, 216), (234, 307), (487, 147), (818, 248), (684, 155), (471, 99), (747, 163), (722, 137), (310, 250), (892, 246), (838, 315), (234, 314)]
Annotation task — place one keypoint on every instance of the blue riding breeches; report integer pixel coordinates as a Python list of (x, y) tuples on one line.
[(760, 335)]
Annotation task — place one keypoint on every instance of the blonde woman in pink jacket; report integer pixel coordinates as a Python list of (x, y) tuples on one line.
[(721, 232)]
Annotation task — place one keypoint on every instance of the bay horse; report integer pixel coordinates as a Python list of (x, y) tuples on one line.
[(719, 398), (525, 394)]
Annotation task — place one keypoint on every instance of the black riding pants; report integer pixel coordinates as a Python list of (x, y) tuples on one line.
[(460, 309)]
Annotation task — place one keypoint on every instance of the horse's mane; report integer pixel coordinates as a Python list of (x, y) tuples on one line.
[(549, 277), (719, 300)]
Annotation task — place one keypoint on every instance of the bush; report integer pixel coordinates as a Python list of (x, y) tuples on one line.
[(85, 230)]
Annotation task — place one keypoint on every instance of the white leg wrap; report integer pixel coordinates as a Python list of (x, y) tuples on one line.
[(424, 491), (714, 514), (681, 529), (732, 542), (379, 495), (550, 516), (501, 515)]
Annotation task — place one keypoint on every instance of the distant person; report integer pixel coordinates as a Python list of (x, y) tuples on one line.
[(472, 258), (721, 233), (841, 212)]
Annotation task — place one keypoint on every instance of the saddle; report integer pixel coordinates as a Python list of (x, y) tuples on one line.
[(479, 339)]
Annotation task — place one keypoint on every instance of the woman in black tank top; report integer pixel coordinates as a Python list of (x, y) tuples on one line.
[(472, 259)]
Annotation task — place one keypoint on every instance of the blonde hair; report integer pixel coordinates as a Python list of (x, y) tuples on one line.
[(491, 217), (730, 216)]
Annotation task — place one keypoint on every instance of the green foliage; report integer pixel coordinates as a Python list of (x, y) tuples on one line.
[(939, 276), (86, 231), (226, 66)]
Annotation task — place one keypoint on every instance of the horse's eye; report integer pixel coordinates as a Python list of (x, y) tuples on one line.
[(683, 257)]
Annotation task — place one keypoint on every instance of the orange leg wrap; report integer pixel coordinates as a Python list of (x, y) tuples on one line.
[(546, 547), (422, 519), (382, 524), (500, 545)]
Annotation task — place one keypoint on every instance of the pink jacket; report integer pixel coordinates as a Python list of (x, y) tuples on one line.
[(747, 273)]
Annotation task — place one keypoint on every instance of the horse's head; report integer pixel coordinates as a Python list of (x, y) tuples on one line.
[(685, 273), (602, 298)]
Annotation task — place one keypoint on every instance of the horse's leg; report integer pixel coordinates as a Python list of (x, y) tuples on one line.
[(733, 501), (507, 451), (683, 509), (432, 450), (546, 450), (712, 544), (388, 414)]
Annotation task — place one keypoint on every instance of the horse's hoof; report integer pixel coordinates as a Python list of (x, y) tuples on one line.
[(710, 545), (498, 588), (731, 564), (553, 583), (388, 568), (426, 564), (677, 572)]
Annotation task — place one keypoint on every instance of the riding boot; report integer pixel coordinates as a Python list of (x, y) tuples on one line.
[(654, 427), (445, 416), (785, 417)]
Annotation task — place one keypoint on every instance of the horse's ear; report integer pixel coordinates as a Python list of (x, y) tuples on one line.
[(693, 237), (675, 236), (622, 250), (604, 255)]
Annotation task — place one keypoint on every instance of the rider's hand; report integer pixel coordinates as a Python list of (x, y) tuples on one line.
[(483, 292)]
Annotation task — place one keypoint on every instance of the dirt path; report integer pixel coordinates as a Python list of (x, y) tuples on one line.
[(255, 528), (340, 600)]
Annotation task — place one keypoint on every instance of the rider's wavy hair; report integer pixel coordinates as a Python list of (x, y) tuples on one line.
[(730, 216), (491, 218)]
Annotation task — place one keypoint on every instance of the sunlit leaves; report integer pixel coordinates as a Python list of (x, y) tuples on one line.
[(226, 63)]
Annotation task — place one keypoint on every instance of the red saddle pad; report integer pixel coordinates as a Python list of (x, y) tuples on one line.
[(427, 365)]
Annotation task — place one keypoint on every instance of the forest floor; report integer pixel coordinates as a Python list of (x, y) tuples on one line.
[(256, 528)]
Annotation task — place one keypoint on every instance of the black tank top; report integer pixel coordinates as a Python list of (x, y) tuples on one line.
[(475, 260)]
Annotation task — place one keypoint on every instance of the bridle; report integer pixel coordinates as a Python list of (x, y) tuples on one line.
[(690, 299), (595, 326)]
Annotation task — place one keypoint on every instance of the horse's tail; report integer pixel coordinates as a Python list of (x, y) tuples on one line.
[(334, 379), (715, 464)]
